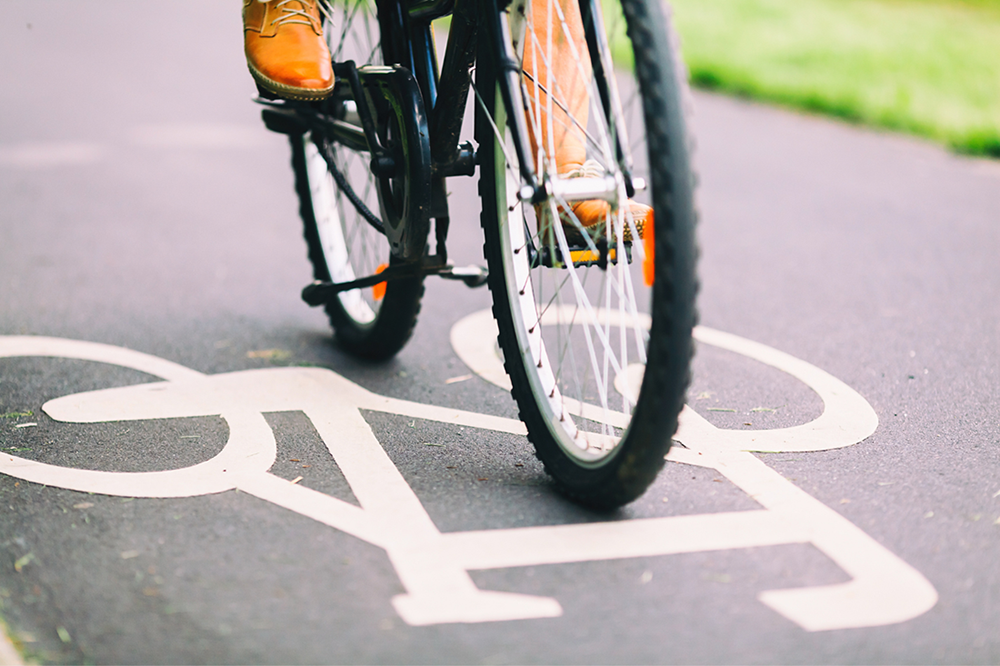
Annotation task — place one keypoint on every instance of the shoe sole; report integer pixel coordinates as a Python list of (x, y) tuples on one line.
[(289, 92), (575, 237)]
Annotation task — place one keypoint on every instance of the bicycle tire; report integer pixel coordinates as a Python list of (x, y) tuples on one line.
[(374, 322), (598, 456)]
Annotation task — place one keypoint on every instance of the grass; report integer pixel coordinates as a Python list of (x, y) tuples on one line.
[(926, 67)]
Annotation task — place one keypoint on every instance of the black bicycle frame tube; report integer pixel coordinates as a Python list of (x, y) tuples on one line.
[(593, 27), (424, 55), (456, 77), (393, 24), (411, 44), (429, 10), (509, 82)]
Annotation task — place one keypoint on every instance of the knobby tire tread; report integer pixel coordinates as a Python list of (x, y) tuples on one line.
[(641, 456)]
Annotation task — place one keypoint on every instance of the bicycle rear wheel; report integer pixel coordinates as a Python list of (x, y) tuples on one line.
[(598, 361), (343, 243)]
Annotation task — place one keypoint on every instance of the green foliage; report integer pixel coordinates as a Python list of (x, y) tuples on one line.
[(928, 67)]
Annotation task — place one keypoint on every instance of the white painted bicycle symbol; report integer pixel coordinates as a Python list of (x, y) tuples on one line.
[(433, 567)]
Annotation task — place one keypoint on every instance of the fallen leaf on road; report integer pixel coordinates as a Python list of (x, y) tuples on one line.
[(83, 505), (721, 409), (270, 354), (23, 562)]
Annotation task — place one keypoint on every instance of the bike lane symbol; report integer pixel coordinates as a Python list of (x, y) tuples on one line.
[(433, 567)]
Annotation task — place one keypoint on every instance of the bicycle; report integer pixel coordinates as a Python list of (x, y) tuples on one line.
[(595, 327)]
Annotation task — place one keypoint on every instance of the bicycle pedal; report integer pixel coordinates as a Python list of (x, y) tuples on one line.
[(472, 276), (282, 121), (580, 256), (266, 94)]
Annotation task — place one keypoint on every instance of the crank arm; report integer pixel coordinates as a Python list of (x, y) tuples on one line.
[(349, 72), (320, 293)]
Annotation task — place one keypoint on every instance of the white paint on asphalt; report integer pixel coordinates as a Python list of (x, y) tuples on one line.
[(883, 590), (9, 656), (847, 417), (433, 567)]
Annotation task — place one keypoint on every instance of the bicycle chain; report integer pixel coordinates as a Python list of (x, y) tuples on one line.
[(326, 149)]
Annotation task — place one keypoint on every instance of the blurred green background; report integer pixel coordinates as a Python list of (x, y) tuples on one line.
[(927, 67)]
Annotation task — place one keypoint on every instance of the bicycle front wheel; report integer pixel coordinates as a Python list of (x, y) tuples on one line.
[(594, 323)]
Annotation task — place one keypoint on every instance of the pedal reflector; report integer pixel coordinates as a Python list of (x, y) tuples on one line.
[(589, 256), (378, 291), (648, 264)]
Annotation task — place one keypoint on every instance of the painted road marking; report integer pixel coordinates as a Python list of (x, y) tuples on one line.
[(433, 567)]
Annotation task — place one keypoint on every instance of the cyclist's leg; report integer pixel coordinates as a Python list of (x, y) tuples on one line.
[(556, 58), (549, 65)]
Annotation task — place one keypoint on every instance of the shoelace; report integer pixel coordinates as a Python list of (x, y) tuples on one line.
[(589, 169), (292, 15)]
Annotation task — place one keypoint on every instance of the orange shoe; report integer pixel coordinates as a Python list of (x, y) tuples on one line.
[(285, 49), (594, 214)]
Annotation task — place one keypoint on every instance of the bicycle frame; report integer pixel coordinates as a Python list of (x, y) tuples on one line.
[(446, 94), (436, 102)]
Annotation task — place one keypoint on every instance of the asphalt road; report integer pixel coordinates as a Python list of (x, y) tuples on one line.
[(144, 207)]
